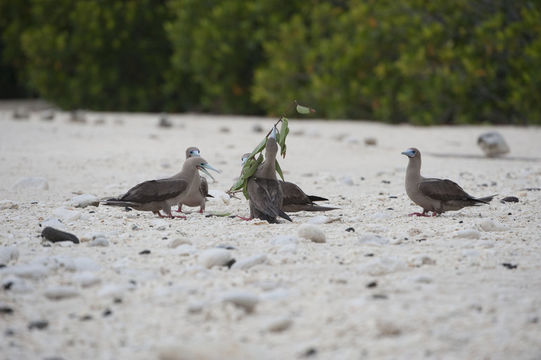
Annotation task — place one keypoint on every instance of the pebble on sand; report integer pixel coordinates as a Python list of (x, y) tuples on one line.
[(489, 225), (242, 299), (279, 324), (467, 234), (8, 254), (247, 263), (8, 204), (86, 278), (55, 235), (311, 232), (31, 183), (384, 265), (61, 292), (85, 200), (493, 144), (66, 215), (29, 271), (373, 239), (215, 257)]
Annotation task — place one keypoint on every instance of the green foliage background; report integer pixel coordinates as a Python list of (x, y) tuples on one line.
[(418, 61)]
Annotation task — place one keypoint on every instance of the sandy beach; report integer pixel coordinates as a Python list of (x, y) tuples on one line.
[(383, 285)]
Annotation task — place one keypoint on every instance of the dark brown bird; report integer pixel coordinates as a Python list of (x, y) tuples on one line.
[(294, 199), (193, 151), (160, 195), (435, 195), (264, 190)]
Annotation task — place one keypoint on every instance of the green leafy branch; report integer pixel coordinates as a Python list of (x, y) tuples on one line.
[(256, 157)]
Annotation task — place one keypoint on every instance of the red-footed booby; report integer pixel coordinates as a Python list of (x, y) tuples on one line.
[(435, 195)]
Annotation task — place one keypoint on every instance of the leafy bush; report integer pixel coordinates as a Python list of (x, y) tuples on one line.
[(417, 61), (99, 55)]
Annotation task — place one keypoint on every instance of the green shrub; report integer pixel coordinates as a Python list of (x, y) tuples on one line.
[(104, 55)]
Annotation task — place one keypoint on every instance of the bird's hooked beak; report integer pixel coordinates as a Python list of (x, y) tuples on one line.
[(409, 153), (273, 133), (205, 166)]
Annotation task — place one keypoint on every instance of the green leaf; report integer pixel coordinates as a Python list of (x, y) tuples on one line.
[(284, 130), (279, 170), (304, 109)]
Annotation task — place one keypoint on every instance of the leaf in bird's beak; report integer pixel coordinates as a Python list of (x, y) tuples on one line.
[(304, 109), (284, 130), (279, 170)]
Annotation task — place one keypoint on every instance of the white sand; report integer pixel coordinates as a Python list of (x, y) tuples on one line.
[(436, 296)]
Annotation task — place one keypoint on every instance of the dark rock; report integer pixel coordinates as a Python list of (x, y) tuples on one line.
[(509, 266), (38, 324), (107, 312), (54, 235), (369, 255), (509, 199), (230, 263), (372, 284), (86, 317), (144, 252), (350, 229), (4, 309), (379, 297), (165, 122), (385, 181), (8, 285), (532, 189), (310, 352)]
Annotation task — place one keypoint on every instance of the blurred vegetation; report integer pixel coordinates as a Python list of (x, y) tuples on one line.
[(417, 61)]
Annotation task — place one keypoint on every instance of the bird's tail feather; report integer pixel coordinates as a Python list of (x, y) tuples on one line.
[(317, 198), (284, 215), (485, 200), (116, 202)]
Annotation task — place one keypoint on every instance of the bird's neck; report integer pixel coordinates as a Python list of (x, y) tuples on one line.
[(413, 172), (268, 168)]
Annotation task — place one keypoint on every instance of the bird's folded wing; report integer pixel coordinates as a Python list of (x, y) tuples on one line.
[(155, 190), (442, 189), (264, 194), (293, 194)]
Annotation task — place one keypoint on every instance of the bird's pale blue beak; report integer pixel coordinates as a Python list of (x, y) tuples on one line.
[(204, 167), (409, 153), (273, 133), (195, 153)]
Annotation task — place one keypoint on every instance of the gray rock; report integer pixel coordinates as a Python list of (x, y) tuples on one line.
[(8, 254), (373, 239), (215, 257), (61, 292), (78, 117), (370, 141), (493, 144), (165, 122), (21, 113), (242, 299), (29, 271), (86, 278), (66, 215), (383, 265), (55, 235), (99, 241), (279, 324), (246, 263), (85, 200), (467, 234), (311, 232)]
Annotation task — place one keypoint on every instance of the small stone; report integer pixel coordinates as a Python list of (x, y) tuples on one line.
[(8, 204), (21, 113), (195, 308), (370, 141), (244, 300), (493, 144), (372, 284), (61, 292), (107, 312), (164, 122), (8, 254), (144, 252), (30, 271), (467, 234), (55, 235), (38, 324), (246, 263), (509, 199), (311, 232), (509, 266), (257, 128), (185, 250), (225, 130), (86, 279), (78, 117), (47, 115), (85, 200), (320, 219), (31, 183), (66, 215), (99, 240), (215, 257), (488, 225), (177, 242), (280, 324), (384, 265), (7, 310), (350, 229), (421, 260), (282, 240), (352, 140)]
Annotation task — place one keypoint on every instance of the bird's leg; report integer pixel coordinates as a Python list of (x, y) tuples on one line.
[(159, 214), (424, 214), (178, 217), (200, 210), (179, 208), (245, 218)]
